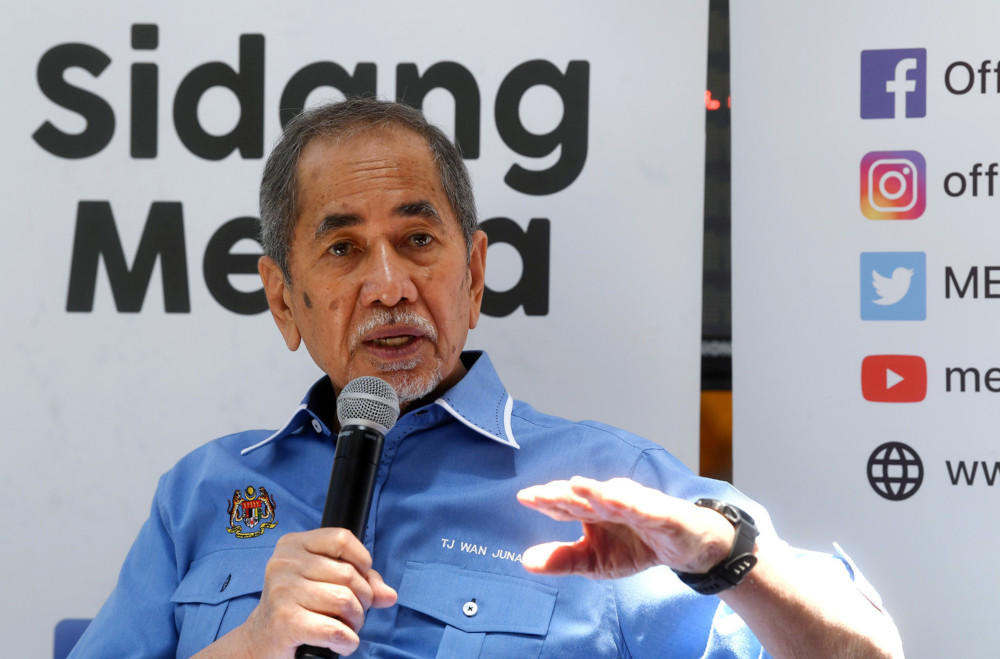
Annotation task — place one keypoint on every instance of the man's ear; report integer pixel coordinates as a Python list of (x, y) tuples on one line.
[(279, 299), (477, 275)]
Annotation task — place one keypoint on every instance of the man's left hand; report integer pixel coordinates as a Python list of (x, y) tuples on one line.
[(626, 528)]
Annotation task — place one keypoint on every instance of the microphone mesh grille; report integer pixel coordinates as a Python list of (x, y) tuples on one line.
[(368, 398)]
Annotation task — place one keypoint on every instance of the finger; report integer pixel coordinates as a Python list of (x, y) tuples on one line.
[(307, 569), (335, 602), (346, 561), (384, 595), (294, 611), (339, 544), (344, 575), (579, 493), (547, 491), (320, 571), (625, 501), (565, 512), (558, 558), (323, 631), (615, 494), (576, 509), (558, 501)]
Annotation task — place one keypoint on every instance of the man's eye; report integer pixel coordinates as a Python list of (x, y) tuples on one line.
[(420, 240), (340, 249)]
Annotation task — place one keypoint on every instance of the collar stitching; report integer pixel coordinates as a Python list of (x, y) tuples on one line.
[(509, 441)]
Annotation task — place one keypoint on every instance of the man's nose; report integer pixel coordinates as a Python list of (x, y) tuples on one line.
[(387, 278)]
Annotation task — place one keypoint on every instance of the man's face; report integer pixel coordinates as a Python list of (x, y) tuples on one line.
[(381, 280)]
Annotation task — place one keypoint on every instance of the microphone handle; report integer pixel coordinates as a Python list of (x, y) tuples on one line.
[(349, 497)]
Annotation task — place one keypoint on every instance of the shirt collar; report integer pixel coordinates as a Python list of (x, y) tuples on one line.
[(479, 401)]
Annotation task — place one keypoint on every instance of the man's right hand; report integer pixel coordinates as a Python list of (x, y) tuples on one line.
[(317, 587)]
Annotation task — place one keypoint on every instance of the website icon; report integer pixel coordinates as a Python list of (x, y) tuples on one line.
[(894, 83)]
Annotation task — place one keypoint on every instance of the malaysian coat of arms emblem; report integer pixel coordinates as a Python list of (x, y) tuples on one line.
[(252, 509)]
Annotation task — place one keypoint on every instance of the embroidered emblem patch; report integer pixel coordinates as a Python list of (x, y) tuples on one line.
[(253, 509)]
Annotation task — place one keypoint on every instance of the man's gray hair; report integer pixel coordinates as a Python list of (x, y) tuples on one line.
[(339, 121)]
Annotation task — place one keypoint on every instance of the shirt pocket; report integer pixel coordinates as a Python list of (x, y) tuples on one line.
[(483, 614), (216, 595)]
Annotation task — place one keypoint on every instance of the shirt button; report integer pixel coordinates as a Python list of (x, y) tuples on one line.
[(317, 426), (470, 608)]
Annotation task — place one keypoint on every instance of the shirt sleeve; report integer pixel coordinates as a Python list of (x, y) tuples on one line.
[(137, 620), (659, 614)]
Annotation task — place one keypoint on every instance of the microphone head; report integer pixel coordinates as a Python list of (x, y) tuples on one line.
[(368, 400)]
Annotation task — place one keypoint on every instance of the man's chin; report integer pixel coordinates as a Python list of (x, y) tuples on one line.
[(409, 380), (410, 387)]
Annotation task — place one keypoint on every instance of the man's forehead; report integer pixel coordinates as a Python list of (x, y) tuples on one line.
[(386, 141), (380, 162), (362, 161)]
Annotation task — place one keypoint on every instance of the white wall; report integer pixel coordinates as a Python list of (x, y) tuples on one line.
[(805, 431)]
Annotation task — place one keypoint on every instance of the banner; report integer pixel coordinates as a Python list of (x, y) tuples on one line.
[(864, 296), (134, 137)]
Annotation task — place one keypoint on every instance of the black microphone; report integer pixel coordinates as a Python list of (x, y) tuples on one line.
[(367, 408)]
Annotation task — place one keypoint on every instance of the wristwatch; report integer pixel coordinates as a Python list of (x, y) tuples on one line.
[(730, 571)]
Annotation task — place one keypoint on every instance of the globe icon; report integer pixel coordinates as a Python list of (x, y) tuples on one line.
[(895, 471)]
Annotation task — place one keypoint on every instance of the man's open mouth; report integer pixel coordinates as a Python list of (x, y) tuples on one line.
[(394, 334), (393, 341)]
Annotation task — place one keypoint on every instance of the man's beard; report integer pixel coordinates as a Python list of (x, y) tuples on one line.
[(409, 385), (402, 375)]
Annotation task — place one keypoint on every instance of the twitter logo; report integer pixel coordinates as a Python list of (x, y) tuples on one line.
[(893, 286), (891, 290)]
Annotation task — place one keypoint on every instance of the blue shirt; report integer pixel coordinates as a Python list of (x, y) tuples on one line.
[(445, 531)]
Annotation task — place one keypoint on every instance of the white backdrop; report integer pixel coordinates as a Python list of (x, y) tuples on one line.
[(811, 422), (98, 401)]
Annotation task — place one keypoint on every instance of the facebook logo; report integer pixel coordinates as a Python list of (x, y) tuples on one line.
[(893, 286), (894, 83)]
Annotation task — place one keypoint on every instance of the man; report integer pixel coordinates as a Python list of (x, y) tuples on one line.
[(374, 262)]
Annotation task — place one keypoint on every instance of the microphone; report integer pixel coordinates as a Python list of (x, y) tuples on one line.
[(367, 408)]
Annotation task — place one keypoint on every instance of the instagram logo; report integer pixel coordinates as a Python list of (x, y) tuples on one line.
[(893, 185)]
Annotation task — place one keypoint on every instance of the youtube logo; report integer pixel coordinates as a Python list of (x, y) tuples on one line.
[(894, 378)]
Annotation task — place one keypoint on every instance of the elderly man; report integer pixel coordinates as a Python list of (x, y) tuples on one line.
[(374, 262)]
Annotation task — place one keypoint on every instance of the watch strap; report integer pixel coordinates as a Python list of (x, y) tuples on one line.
[(731, 570)]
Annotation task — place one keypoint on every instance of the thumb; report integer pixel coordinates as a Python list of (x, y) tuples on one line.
[(384, 595), (557, 558)]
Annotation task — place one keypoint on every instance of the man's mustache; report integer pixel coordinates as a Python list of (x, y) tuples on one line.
[(380, 317)]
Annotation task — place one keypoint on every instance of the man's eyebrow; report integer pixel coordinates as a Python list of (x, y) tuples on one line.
[(420, 208), (337, 221)]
